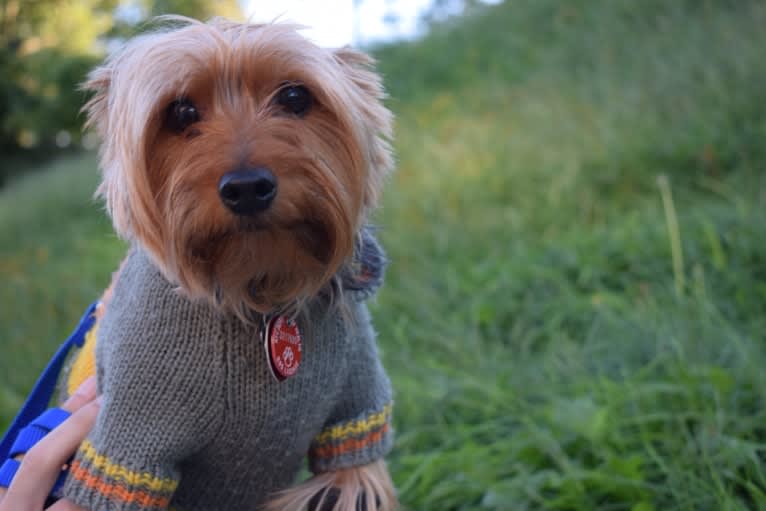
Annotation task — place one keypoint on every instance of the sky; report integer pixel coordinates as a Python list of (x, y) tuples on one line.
[(332, 21)]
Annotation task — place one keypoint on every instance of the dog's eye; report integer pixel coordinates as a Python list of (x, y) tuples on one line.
[(181, 114), (296, 99)]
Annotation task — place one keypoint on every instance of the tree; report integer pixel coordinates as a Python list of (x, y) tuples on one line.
[(200, 9), (47, 48)]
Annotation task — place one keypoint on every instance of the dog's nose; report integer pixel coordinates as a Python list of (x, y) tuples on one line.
[(248, 191)]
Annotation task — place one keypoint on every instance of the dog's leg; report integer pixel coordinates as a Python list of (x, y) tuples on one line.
[(365, 488)]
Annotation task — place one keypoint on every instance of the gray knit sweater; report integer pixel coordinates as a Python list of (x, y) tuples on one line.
[(192, 418)]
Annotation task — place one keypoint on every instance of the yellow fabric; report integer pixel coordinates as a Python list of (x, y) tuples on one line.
[(84, 364)]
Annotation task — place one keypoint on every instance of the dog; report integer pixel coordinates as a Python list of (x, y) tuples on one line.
[(241, 162)]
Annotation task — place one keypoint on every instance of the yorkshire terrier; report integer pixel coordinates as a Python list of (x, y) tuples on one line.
[(241, 162)]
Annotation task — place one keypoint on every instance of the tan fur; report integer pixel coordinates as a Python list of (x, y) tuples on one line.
[(355, 484), (161, 187)]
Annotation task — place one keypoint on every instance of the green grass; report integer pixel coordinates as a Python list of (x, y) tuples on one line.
[(57, 252), (575, 310)]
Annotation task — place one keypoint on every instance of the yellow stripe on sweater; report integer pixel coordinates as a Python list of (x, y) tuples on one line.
[(354, 428), (115, 471)]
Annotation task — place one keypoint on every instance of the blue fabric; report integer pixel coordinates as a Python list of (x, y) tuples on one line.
[(39, 427), (26, 438), (7, 471), (50, 418), (43, 390)]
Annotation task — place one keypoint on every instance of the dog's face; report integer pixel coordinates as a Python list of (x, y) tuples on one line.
[(243, 158)]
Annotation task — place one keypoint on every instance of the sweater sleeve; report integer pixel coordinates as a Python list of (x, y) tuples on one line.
[(161, 403), (358, 431)]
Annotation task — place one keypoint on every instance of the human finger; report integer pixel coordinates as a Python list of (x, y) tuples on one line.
[(65, 505), (42, 463), (85, 393)]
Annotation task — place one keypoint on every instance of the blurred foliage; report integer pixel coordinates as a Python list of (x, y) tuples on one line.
[(201, 9), (46, 47), (127, 25), (46, 50)]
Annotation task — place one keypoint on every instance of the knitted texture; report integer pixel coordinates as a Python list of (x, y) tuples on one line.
[(193, 419)]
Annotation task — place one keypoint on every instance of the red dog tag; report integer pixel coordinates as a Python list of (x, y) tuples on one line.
[(283, 347)]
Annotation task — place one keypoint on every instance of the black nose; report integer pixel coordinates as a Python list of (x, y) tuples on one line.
[(247, 191)]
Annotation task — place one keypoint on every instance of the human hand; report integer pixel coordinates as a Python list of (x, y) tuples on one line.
[(42, 463)]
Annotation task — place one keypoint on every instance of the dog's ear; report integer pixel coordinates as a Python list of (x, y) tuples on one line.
[(373, 116), (98, 83)]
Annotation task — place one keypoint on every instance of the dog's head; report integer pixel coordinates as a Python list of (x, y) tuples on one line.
[(243, 158)]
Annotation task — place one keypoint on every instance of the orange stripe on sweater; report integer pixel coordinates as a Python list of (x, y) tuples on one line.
[(116, 491), (353, 444)]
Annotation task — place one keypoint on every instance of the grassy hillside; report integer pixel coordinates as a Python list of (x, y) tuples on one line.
[(574, 315)]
